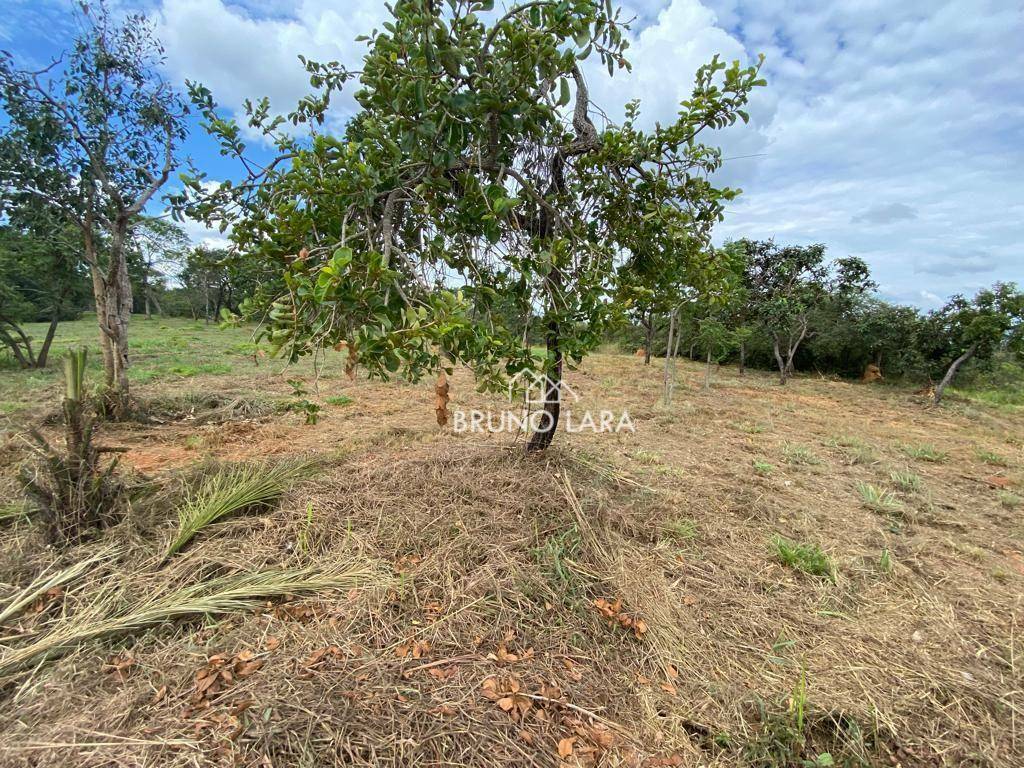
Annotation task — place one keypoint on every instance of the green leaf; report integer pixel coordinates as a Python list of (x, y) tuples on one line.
[(564, 93)]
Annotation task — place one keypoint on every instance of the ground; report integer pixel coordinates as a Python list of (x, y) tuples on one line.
[(759, 575)]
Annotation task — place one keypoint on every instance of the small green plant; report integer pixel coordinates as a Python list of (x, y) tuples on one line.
[(681, 529), (647, 457), (339, 400), (194, 442), (924, 452), (885, 562), (309, 409), (555, 556), (993, 458), (798, 454), (298, 387), (877, 499), (763, 467), (808, 558), (1010, 500), (906, 480), (302, 543)]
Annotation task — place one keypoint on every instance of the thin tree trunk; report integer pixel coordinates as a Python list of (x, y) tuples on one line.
[(951, 373), (779, 360), (541, 438), (51, 331), (16, 346), (649, 341), (707, 372), (743, 358), (668, 357), (693, 346)]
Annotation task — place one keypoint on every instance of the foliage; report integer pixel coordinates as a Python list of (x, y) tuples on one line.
[(92, 139), (459, 181), (786, 285), (972, 329), (232, 490), (75, 493)]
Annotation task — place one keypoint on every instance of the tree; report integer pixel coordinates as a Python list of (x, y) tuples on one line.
[(40, 280), (94, 141), (788, 284), (965, 330), (156, 251), (473, 170)]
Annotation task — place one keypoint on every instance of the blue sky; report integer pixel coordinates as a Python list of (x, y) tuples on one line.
[(893, 131)]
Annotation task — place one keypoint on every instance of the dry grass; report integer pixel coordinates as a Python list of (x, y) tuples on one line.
[(716, 653)]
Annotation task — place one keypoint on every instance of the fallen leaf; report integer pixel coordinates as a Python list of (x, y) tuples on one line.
[(566, 745)]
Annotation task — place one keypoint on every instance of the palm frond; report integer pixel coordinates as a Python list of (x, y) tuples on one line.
[(228, 594), (49, 579), (231, 490)]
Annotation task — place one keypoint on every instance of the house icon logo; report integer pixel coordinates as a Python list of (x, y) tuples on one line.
[(536, 385)]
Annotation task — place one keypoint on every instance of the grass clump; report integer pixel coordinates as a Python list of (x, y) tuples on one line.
[(799, 454), (925, 452), (808, 558), (763, 467), (906, 480), (339, 400), (877, 499), (1010, 500), (231, 490), (681, 529), (993, 458)]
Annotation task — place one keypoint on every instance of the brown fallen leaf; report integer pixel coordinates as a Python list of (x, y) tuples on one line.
[(565, 746)]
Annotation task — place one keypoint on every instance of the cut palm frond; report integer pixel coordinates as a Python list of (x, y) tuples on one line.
[(47, 580), (227, 594), (231, 490)]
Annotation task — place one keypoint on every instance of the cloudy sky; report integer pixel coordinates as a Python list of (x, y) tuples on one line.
[(889, 130)]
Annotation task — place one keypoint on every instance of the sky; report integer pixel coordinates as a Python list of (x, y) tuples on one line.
[(892, 131)]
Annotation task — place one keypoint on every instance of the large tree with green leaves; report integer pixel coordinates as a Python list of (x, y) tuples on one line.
[(972, 329), (473, 170), (787, 285), (93, 138)]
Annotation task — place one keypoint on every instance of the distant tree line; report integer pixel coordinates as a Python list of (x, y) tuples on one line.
[(791, 309)]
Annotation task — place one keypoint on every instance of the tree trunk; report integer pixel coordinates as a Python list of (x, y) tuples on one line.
[(707, 372), (51, 331), (743, 358), (541, 438), (783, 369), (16, 346), (649, 341), (113, 294), (668, 357), (951, 373)]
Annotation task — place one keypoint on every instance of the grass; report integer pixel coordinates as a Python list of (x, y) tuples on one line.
[(338, 400), (763, 467), (878, 500), (1010, 500), (799, 454), (925, 452), (161, 349), (906, 481), (232, 490), (808, 558), (681, 529), (992, 458), (858, 451)]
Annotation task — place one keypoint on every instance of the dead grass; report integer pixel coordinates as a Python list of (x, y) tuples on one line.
[(626, 608)]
